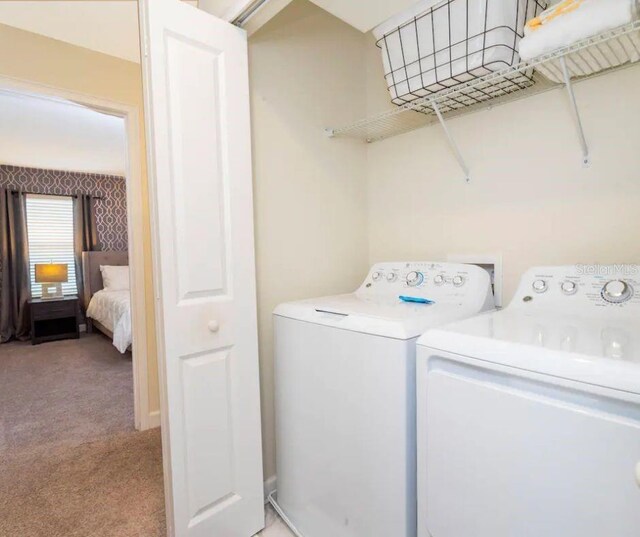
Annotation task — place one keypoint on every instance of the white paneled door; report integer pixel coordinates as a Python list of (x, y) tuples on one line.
[(198, 130)]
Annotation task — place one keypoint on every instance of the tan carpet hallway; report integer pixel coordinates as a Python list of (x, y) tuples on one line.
[(72, 464)]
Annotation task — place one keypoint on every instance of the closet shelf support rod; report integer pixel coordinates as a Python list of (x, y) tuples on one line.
[(586, 159), (452, 142)]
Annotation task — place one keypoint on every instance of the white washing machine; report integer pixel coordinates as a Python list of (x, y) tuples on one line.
[(345, 396), (529, 418)]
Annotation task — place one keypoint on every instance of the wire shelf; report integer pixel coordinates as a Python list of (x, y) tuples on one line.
[(607, 51)]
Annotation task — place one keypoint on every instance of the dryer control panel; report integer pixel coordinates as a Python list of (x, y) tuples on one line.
[(580, 289), (439, 282)]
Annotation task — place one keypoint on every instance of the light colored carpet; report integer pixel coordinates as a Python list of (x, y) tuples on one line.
[(71, 462)]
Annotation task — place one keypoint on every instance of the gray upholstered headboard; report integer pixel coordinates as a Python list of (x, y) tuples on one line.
[(91, 275)]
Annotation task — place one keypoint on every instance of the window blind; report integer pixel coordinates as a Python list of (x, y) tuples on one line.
[(50, 234)]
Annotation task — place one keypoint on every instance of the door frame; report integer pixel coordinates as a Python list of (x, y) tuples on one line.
[(135, 226)]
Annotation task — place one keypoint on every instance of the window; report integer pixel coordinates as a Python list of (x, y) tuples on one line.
[(50, 233)]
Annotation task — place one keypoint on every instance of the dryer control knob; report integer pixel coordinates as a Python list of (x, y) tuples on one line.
[(569, 288), (458, 281), (414, 278), (439, 279), (617, 291), (376, 276), (392, 277), (540, 286)]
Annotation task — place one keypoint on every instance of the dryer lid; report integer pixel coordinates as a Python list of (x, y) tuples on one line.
[(580, 335), (592, 351)]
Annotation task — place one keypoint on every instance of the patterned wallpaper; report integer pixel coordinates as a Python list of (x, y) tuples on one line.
[(111, 210)]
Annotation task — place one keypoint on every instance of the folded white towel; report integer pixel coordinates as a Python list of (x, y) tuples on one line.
[(588, 18)]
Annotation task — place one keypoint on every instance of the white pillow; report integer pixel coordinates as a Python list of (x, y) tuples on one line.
[(115, 278)]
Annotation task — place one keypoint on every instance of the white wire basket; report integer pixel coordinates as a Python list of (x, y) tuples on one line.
[(430, 48)]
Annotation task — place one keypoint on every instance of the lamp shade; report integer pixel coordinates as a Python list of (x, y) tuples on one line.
[(52, 272)]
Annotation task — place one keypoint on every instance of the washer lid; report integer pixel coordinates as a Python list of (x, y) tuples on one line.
[(377, 316), (456, 291), (595, 350)]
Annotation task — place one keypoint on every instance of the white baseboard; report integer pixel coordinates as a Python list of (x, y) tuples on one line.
[(269, 486), (154, 419)]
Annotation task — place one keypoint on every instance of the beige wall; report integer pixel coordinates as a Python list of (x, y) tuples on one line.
[(529, 197), (34, 58), (306, 70)]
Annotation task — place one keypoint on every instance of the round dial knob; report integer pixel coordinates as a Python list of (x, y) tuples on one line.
[(617, 291), (376, 276), (392, 277), (458, 281), (539, 286), (414, 278), (439, 279), (569, 288)]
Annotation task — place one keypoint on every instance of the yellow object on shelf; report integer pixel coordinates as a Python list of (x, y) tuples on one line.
[(555, 11)]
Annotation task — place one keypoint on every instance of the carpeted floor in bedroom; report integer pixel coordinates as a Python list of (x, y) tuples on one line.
[(71, 462)]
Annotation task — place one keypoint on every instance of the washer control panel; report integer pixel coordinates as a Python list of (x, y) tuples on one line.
[(580, 288), (440, 282)]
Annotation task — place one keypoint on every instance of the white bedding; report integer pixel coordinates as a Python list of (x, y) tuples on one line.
[(112, 309)]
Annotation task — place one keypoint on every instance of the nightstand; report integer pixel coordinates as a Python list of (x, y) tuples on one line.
[(54, 318)]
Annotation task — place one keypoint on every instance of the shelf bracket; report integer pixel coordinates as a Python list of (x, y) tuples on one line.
[(452, 142), (586, 159)]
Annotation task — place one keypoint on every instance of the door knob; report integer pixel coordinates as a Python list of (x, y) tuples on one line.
[(213, 326)]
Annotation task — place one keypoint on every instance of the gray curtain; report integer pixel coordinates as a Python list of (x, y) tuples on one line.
[(15, 284), (85, 232)]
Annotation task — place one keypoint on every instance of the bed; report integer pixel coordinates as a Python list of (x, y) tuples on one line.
[(107, 311)]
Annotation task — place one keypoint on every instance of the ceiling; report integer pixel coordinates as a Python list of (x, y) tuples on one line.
[(107, 26), (364, 14), (222, 8), (111, 26), (42, 132)]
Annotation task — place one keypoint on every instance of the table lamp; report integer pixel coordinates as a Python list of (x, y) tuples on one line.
[(51, 276)]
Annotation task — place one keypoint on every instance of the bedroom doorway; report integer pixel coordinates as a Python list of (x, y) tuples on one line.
[(75, 458), (131, 333), (72, 402)]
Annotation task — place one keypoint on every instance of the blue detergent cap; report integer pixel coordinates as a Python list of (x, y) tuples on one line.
[(416, 299)]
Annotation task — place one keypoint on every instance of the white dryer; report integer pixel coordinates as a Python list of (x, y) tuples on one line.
[(345, 396), (529, 418)]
